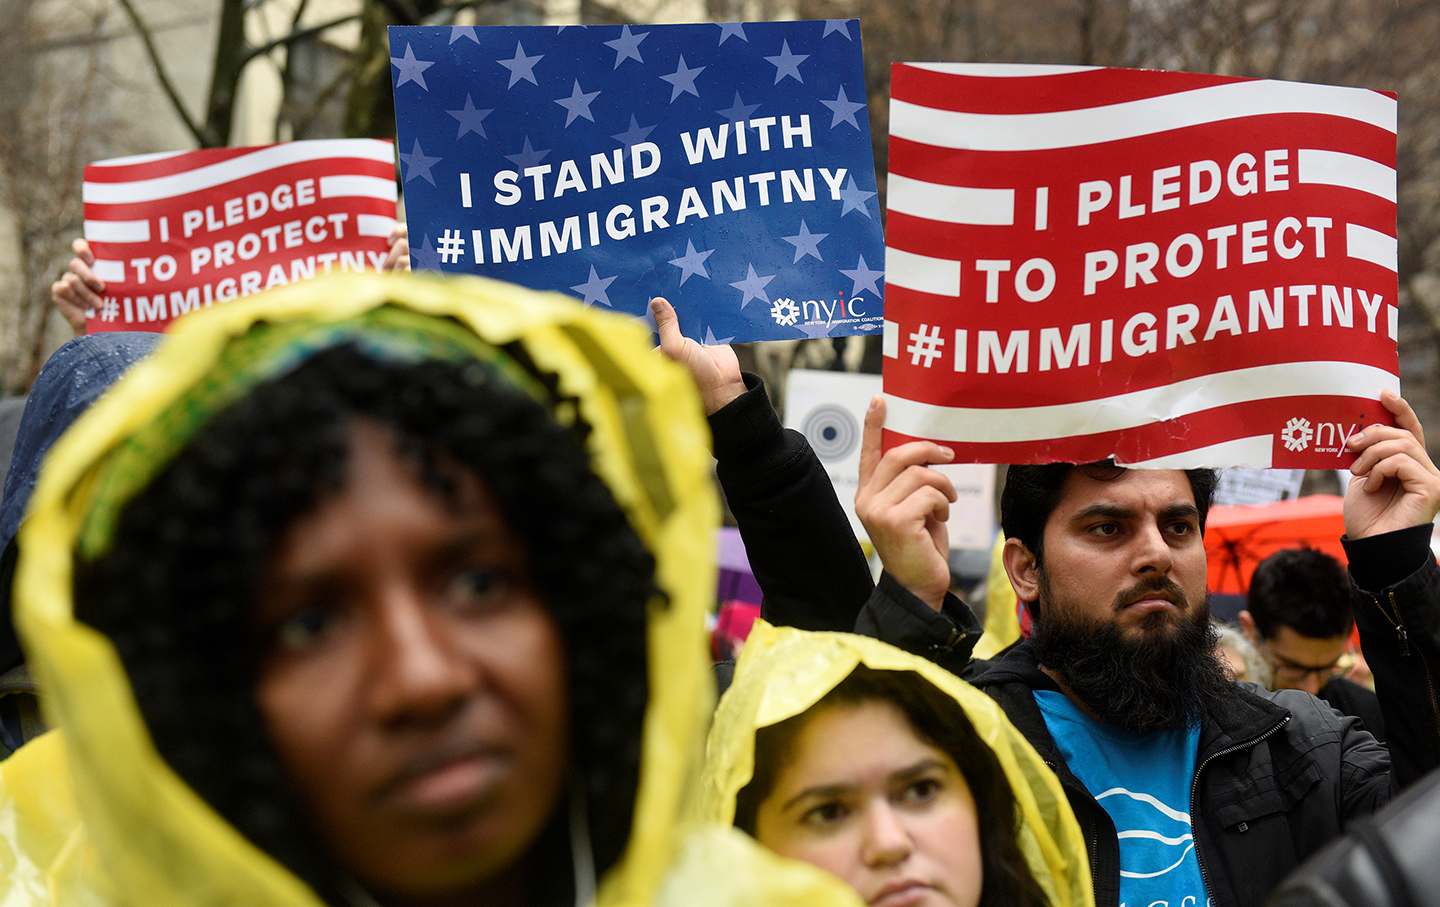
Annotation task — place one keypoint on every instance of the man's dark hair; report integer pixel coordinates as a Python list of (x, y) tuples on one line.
[(941, 722), (176, 592), (1032, 491), (1303, 589)]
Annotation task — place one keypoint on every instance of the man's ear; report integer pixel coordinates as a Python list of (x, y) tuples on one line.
[(1247, 626), (1021, 568)]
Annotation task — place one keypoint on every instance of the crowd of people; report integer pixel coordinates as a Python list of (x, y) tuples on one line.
[(391, 590)]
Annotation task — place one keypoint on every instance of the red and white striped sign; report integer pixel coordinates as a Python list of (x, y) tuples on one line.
[(1168, 268), (177, 231)]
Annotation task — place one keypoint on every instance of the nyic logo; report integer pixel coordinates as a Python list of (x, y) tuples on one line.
[(1329, 437), (1297, 434), (787, 312)]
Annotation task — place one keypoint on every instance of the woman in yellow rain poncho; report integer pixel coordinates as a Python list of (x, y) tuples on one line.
[(387, 590), (891, 773)]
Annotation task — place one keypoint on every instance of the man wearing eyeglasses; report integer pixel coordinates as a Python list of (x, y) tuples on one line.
[(1298, 615)]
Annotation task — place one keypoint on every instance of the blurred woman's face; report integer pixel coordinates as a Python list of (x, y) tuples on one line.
[(861, 796), (413, 682)]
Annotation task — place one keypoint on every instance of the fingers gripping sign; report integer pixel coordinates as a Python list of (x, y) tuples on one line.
[(78, 290), (904, 504), (715, 369), (1396, 485), (397, 257)]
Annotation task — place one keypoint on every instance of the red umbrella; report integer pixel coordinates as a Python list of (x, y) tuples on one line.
[(1237, 538)]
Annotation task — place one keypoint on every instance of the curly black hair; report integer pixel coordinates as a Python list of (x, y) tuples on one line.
[(941, 722), (177, 588)]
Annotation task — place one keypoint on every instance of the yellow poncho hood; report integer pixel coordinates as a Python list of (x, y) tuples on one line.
[(91, 814), (782, 672)]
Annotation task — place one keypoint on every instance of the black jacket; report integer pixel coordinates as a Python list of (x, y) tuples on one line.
[(1387, 860), (1349, 698)]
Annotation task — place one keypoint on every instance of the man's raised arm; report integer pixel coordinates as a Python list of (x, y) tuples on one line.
[(1390, 506), (798, 539)]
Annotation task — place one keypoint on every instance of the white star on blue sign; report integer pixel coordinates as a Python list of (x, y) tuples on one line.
[(854, 198), (843, 109), (578, 104), (753, 286), (593, 290), (863, 277), (732, 30), (788, 64), (627, 46), (417, 164), (528, 157), (806, 243), (692, 262), (634, 135), (738, 112), (521, 66), (411, 69), (471, 120), (424, 257), (683, 80)]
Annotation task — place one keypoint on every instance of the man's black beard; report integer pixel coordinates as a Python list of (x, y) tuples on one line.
[(1159, 681)]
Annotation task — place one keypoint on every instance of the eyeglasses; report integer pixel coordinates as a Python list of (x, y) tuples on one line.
[(1289, 672)]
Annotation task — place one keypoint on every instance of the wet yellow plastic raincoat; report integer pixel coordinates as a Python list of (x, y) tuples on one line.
[(90, 814), (782, 672)]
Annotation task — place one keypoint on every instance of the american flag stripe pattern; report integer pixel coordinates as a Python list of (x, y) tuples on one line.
[(1167, 268), (147, 215)]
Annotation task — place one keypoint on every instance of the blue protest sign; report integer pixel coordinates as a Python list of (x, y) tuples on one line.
[(727, 167)]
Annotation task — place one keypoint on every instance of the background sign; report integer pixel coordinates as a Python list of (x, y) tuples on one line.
[(828, 408), (726, 167), (1174, 269), (1259, 486), (177, 231)]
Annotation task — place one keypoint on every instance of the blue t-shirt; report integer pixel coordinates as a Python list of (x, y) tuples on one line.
[(1142, 779)]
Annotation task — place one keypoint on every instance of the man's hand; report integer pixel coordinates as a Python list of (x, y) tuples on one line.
[(715, 369), (78, 291), (904, 504), (398, 257), (1396, 486)]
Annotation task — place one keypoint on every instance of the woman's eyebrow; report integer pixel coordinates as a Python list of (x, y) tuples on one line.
[(918, 770)]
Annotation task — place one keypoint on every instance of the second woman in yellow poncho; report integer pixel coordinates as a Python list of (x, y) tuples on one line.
[(892, 774)]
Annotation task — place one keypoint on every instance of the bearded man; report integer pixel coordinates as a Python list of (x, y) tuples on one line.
[(1190, 787)]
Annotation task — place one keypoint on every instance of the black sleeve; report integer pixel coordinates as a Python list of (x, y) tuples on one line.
[(893, 614), (804, 554), (1399, 619)]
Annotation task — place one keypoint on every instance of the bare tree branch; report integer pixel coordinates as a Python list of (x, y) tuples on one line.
[(296, 36), (143, 32)]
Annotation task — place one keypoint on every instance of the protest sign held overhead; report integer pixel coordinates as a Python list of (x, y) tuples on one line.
[(179, 231), (727, 167), (1168, 268)]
